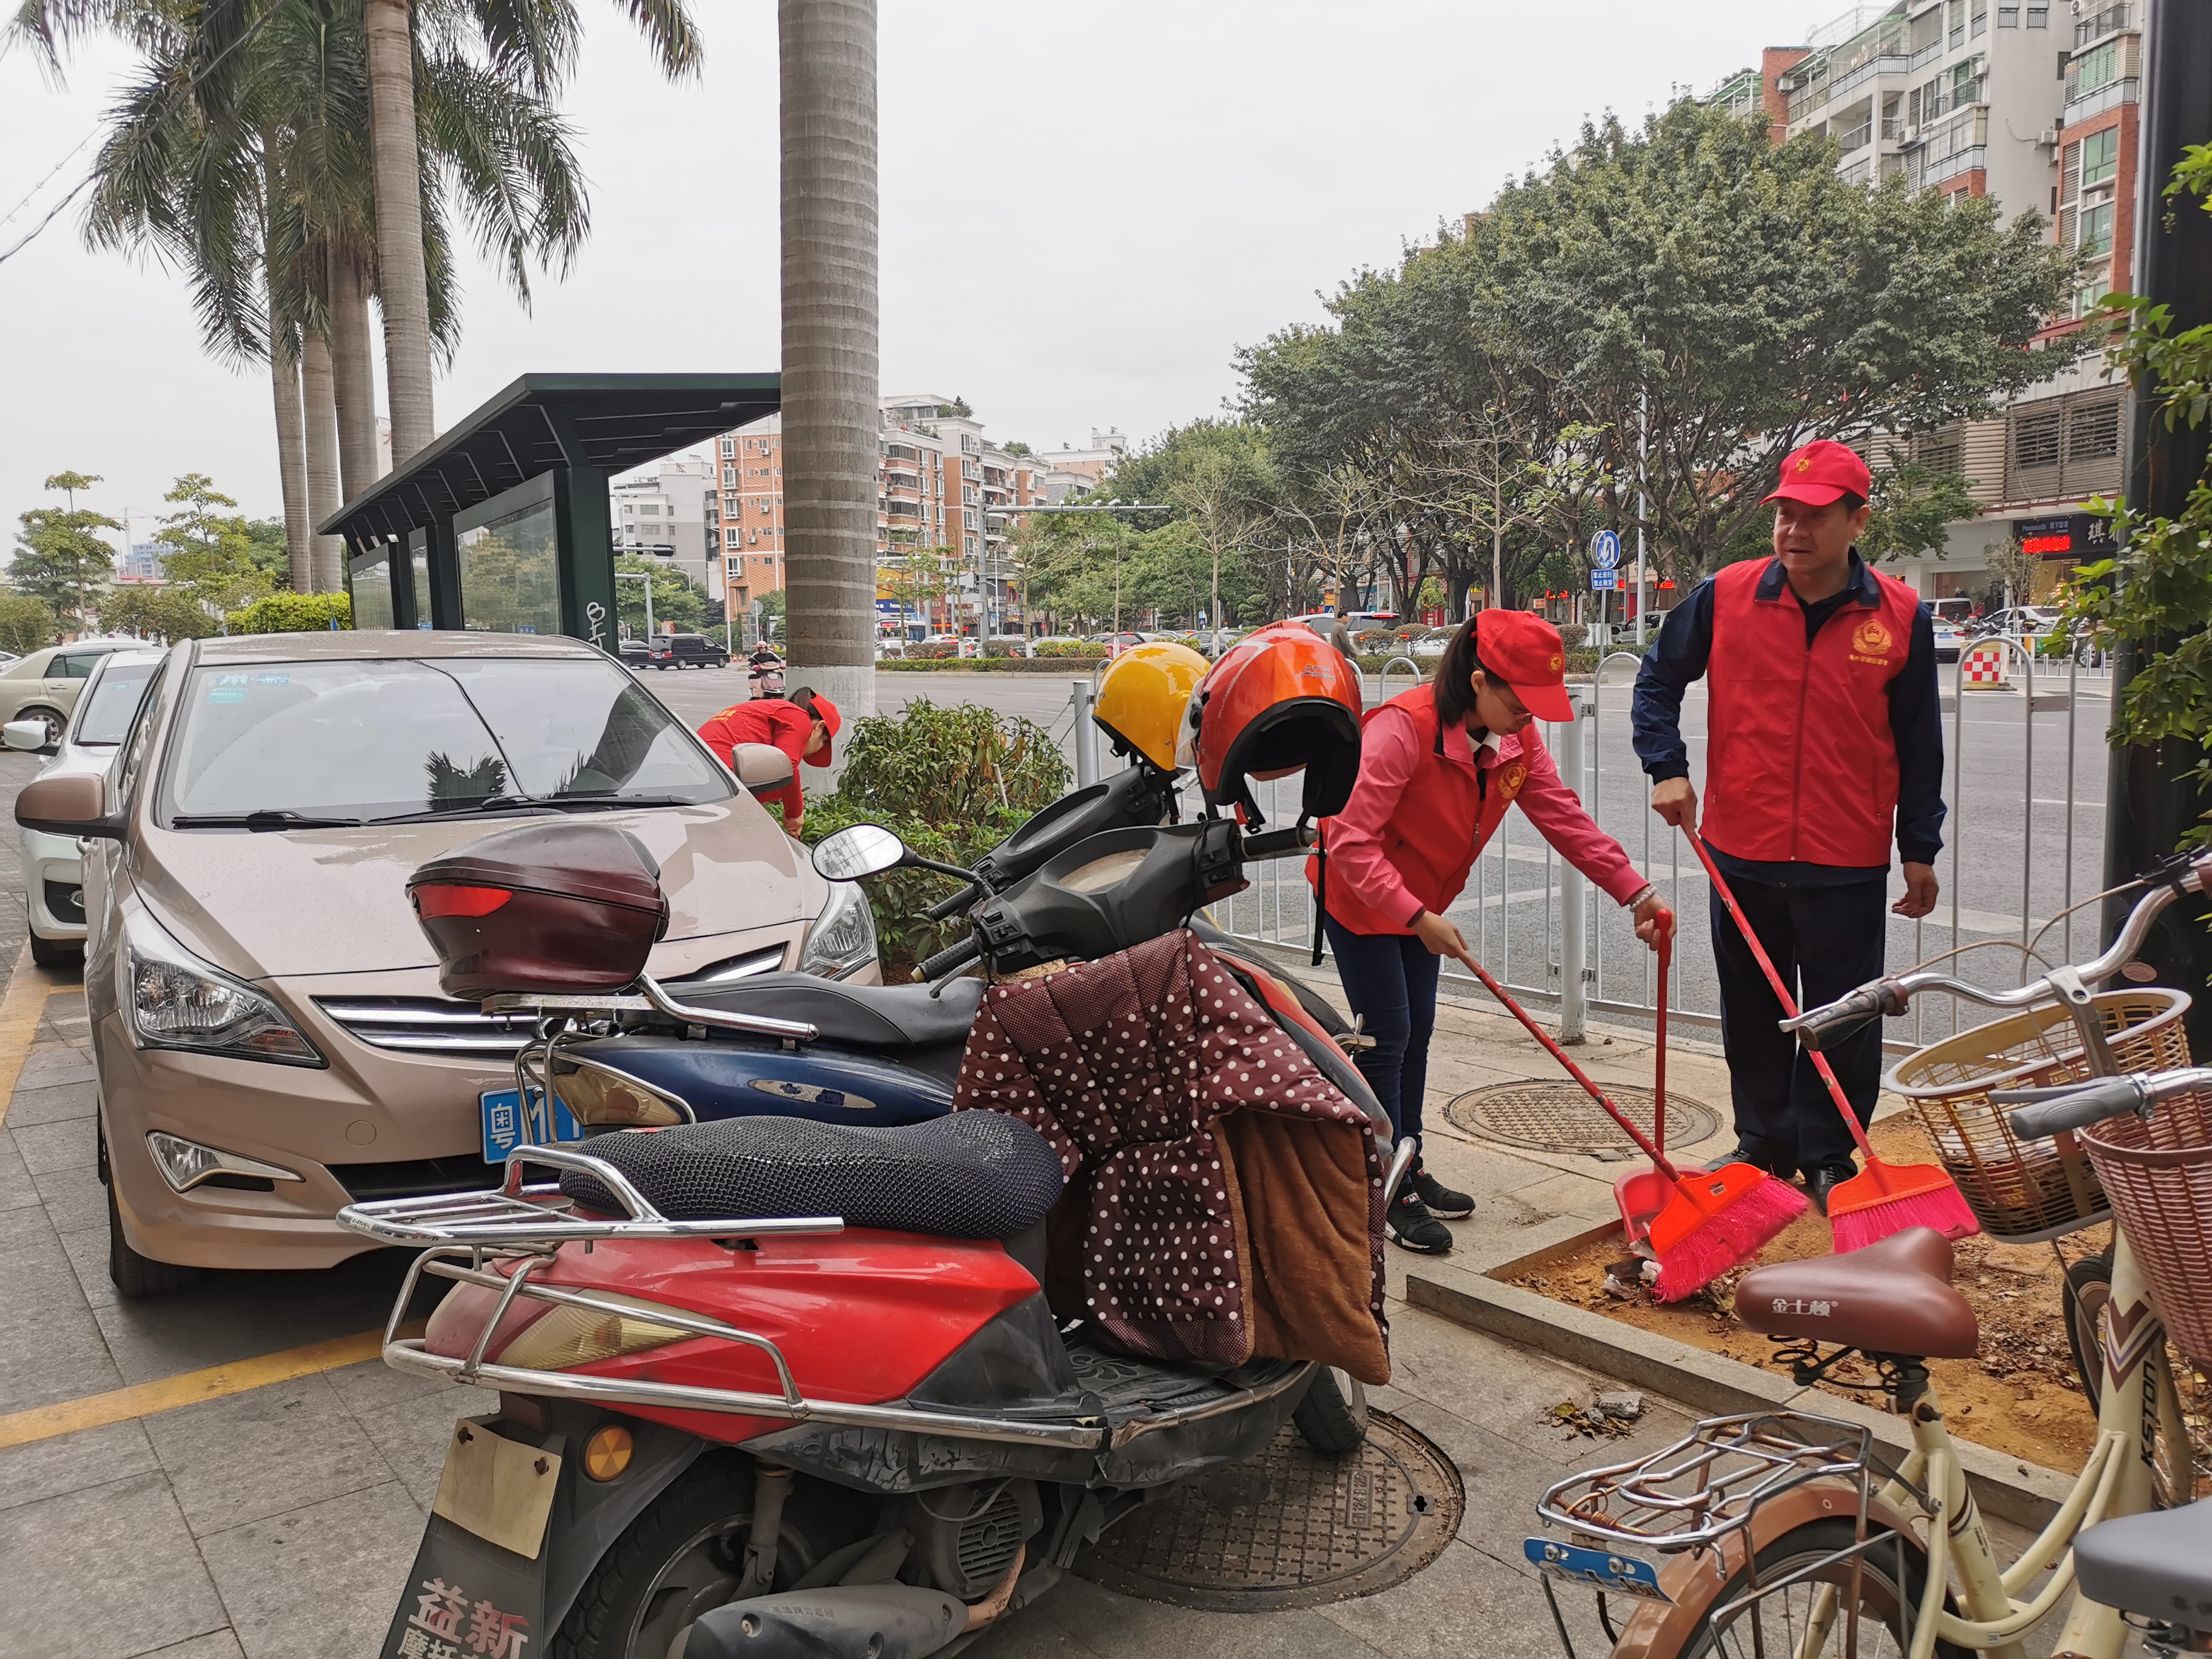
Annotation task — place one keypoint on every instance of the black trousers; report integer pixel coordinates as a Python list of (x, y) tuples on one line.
[(1823, 941)]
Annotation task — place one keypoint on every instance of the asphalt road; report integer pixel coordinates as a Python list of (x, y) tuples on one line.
[(2006, 857)]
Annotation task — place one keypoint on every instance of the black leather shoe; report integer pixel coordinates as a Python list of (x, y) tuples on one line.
[(1440, 1200), (1736, 1154), (1411, 1227), (1824, 1180)]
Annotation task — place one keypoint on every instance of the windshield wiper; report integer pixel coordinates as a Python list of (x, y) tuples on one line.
[(610, 798), (261, 818), (462, 809)]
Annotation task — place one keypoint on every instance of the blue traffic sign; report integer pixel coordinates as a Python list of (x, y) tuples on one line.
[(1605, 549), (1602, 581)]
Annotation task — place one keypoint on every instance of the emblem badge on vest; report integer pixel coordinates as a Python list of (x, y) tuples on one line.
[(1510, 779), (1871, 640)]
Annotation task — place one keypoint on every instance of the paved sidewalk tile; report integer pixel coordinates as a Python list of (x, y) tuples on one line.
[(103, 1573), (321, 1580), (218, 1644), (1079, 1618), (87, 1248), (49, 1146), (412, 1434), (259, 1453), (52, 1104), (1461, 1603), (75, 1199), (73, 1462), (16, 1192)]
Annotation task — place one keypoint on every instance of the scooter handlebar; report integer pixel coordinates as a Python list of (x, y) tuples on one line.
[(952, 959), (1825, 1027)]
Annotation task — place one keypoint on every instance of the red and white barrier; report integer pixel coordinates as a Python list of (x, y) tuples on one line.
[(1982, 666)]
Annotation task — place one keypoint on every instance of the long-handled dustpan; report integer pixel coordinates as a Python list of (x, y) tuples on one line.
[(1643, 1194)]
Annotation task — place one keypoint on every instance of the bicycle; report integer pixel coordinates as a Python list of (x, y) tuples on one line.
[(1776, 1528)]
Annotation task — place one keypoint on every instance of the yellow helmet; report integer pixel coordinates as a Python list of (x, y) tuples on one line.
[(1141, 701)]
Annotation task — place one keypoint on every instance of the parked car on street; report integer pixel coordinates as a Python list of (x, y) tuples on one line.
[(45, 685), (1950, 639), (2020, 622), (686, 651), (267, 1027), (633, 653), (1117, 643), (53, 869), (1954, 608)]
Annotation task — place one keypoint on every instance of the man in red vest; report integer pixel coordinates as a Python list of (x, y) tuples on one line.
[(1824, 744), (802, 726)]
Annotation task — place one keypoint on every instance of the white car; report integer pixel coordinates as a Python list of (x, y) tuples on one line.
[(53, 870)]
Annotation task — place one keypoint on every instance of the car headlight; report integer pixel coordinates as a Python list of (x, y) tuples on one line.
[(176, 1001), (842, 940)]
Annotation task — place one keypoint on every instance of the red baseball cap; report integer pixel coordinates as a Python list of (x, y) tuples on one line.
[(825, 711), (1523, 650), (1821, 472)]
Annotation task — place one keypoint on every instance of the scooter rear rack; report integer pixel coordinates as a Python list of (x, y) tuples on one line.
[(514, 1215)]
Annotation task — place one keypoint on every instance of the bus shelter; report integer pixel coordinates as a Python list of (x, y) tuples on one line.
[(503, 525)]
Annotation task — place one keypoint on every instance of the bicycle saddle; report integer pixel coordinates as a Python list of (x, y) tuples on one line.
[(2159, 1565), (1893, 1297)]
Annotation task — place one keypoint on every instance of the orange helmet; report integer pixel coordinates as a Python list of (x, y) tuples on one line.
[(1277, 700)]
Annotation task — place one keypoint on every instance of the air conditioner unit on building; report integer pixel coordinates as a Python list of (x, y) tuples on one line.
[(2048, 138)]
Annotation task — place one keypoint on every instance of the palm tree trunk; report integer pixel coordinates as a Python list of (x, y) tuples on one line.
[(322, 424), (353, 372), (292, 462), (403, 285), (827, 50)]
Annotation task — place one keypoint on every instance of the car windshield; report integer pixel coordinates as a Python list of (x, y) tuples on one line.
[(103, 719), (378, 740)]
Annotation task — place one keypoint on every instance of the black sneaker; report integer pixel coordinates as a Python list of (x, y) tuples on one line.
[(1440, 1200), (1824, 1180), (1411, 1227)]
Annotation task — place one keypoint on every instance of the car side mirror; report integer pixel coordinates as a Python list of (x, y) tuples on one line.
[(865, 849), (762, 767), (29, 736), (73, 806)]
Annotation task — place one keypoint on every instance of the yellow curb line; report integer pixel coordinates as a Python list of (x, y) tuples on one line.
[(145, 1398), (21, 1010)]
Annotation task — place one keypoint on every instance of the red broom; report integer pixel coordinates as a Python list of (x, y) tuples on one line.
[(1714, 1222), (1887, 1197)]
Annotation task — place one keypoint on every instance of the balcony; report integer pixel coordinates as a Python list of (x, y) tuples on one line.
[(1951, 167), (2110, 95), (1892, 128), (2109, 20), (1857, 138)]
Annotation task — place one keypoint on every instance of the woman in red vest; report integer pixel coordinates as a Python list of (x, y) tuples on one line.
[(1438, 768), (802, 726)]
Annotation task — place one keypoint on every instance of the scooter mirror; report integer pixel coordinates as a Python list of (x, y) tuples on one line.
[(865, 849)]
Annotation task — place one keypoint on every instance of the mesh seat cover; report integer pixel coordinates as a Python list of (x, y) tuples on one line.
[(973, 1175)]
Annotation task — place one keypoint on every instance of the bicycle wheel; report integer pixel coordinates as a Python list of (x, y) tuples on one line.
[(2088, 1292), (1776, 1622)]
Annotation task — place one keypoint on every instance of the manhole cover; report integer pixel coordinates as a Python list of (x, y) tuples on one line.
[(1559, 1117), (1290, 1529)]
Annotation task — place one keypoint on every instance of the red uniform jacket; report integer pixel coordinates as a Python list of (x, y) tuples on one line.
[(1801, 760), (769, 719), (1426, 804)]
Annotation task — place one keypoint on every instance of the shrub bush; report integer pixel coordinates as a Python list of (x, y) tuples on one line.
[(1573, 635), (953, 781), (1083, 648), (26, 623), (930, 650), (294, 613)]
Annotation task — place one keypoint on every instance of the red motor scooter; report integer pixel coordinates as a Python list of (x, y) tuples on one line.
[(789, 1389)]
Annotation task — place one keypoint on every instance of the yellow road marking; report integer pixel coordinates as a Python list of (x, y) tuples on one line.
[(21, 1010), (145, 1398)]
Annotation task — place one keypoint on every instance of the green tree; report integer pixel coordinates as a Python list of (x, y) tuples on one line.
[(60, 557), (210, 556), (675, 601), (159, 613), (2157, 593), (294, 613), (923, 578), (26, 623)]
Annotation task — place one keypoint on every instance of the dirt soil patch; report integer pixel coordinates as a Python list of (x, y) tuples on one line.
[(2020, 1396)]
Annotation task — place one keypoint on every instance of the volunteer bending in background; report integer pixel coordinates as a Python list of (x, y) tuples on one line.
[(1438, 766), (801, 725)]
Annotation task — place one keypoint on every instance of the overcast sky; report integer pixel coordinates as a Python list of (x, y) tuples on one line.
[(1086, 210)]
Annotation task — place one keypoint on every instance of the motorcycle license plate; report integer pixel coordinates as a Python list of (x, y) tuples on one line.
[(1600, 1570), (504, 1127), (478, 1584)]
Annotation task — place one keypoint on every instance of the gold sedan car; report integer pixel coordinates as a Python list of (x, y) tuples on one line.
[(271, 1039)]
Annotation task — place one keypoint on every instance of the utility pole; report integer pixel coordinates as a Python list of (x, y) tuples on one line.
[(827, 63), (2150, 798), (1642, 507)]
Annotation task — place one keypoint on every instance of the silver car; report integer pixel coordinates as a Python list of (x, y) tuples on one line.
[(53, 869), (45, 685)]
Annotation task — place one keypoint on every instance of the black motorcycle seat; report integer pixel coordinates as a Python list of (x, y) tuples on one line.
[(971, 1174), (863, 1016)]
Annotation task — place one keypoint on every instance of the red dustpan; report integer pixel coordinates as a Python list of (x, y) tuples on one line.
[(1642, 1193)]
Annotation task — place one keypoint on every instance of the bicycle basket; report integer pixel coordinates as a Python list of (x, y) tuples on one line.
[(2158, 1176), (2023, 1191)]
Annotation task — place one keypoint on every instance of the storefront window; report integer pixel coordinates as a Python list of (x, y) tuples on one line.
[(509, 583), (418, 565), (369, 582)]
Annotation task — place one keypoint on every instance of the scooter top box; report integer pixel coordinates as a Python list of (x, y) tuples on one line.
[(561, 907)]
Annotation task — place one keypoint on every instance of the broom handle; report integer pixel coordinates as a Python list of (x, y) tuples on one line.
[(1573, 1070), (1781, 993), (1659, 1060)]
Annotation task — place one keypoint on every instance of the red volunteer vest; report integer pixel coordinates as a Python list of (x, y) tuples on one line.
[(1444, 817), (1801, 764)]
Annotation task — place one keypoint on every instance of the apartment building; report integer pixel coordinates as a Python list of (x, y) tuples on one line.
[(2033, 104), (671, 511), (941, 484), (1094, 461)]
